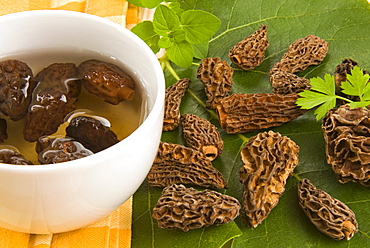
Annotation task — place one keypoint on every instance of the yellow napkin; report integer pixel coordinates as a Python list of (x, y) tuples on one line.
[(119, 11), (115, 229)]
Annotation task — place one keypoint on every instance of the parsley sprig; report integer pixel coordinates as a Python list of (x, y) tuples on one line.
[(183, 34), (323, 96)]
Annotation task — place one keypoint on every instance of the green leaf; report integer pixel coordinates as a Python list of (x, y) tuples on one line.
[(326, 86), (310, 99), (357, 84), (359, 104), (165, 42), (325, 95), (176, 7), (178, 35), (145, 3), (339, 22), (146, 32), (321, 111), (201, 50), (181, 53), (199, 25), (165, 20)]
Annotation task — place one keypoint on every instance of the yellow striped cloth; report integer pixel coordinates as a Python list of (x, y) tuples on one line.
[(119, 11), (115, 229), (112, 231)]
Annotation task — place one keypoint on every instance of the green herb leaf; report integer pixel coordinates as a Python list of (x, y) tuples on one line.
[(310, 99), (145, 3), (321, 111), (146, 32), (165, 20), (165, 42), (359, 104), (357, 84), (322, 93), (176, 7), (199, 25), (326, 86), (201, 50), (178, 35), (181, 53)]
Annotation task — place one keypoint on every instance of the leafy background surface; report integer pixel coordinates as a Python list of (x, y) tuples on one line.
[(345, 24)]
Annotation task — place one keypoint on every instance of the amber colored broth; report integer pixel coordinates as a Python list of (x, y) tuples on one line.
[(124, 118)]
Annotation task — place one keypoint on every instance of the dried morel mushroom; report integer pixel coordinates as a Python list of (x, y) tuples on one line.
[(107, 81), (47, 113), (58, 150), (269, 159), (240, 113), (16, 86), (55, 96), (64, 76), (9, 156), (187, 208), (302, 53), (286, 83), (216, 76), (341, 71), (347, 138), (330, 216), (250, 52), (173, 98), (3, 130), (176, 164), (91, 133), (202, 135)]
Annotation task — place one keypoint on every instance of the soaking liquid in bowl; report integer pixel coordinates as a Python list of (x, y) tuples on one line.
[(123, 118)]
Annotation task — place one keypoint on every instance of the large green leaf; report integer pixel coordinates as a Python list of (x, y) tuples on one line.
[(345, 24)]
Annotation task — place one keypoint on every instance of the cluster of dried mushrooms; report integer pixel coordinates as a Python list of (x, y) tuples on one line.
[(45, 100), (269, 158)]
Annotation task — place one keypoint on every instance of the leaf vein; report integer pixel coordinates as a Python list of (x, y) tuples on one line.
[(272, 18), (360, 201)]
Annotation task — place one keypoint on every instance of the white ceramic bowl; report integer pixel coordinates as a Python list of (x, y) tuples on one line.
[(62, 197)]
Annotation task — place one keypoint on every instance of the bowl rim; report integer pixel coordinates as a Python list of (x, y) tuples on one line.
[(153, 114)]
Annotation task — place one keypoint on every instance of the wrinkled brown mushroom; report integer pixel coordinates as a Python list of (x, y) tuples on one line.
[(173, 98), (287, 83), (107, 81), (250, 52), (341, 71), (187, 208), (216, 76), (302, 53), (202, 135), (330, 216), (347, 138), (91, 132), (54, 98), (47, 113), (16, 87), (240, 113), (58, 150), (10, 156), (310, 50), (269, 159), (176, 164)]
